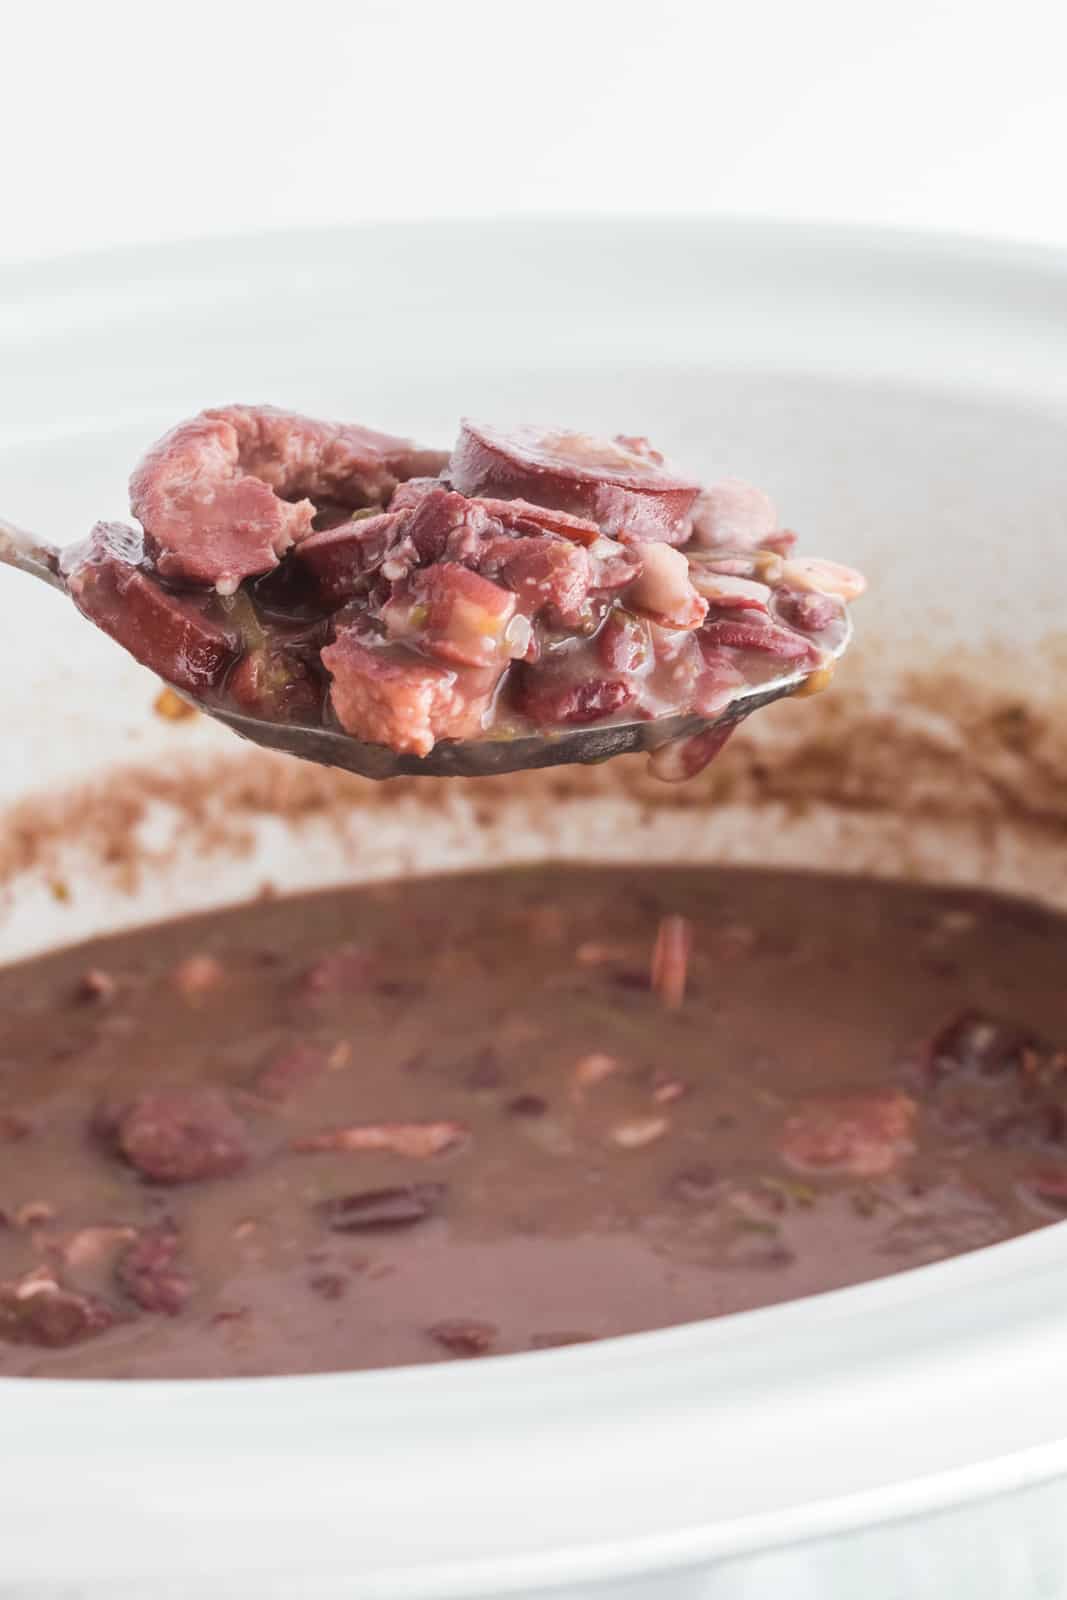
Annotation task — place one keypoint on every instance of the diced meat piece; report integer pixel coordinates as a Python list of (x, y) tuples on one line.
[(410, 493), (340, 559), (733, 515), (147, 1272), (670, 960), (806, 609), (223, 496), (198, 975), (825, 577), (464, 1336), (624, 644), (975, 1042), (663, 590), (384, 1209), (628, 492), (468, 616), (553, 697), (446, 524), (277, 686), (864, 1135), (455, 614), (165, 632), (762, 636), (394, 698), (13, 1127), (550, 577), (182, 1136), (37, 1309), (521, 516), (290, 1071), (416, 1140)]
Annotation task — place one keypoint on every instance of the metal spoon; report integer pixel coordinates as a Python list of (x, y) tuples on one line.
[(451, 758)]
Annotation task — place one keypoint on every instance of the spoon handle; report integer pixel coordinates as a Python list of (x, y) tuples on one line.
[(20, 549)]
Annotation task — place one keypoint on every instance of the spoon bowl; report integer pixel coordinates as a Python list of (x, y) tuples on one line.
[(487, 758), (450, 758)]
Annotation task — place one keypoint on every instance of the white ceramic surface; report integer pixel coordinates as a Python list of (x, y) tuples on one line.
[(905, 398), (939, 113)]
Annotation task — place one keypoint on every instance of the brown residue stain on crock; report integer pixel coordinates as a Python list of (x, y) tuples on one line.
[(948, 742), (218, 799), (945, 745)]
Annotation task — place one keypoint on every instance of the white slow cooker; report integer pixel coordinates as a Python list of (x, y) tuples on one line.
[(905, 400)]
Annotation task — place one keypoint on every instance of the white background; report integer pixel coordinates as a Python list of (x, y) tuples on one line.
[(125, 122)]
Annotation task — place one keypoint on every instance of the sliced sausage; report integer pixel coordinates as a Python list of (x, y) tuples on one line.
[(166, 632), (339, 559), (223, 496), (620, 484)]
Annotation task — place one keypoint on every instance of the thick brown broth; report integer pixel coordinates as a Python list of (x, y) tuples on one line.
[(838, 1095)]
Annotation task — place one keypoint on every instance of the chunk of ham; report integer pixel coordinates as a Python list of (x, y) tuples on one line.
[(394, 697), (865, 1135), (455, 615), (339, 559), (550, 576)]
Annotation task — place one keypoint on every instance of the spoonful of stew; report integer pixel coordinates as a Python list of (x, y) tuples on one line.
[(535, 598)]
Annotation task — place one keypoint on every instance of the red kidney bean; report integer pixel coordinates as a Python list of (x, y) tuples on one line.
[(371, 1209)]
